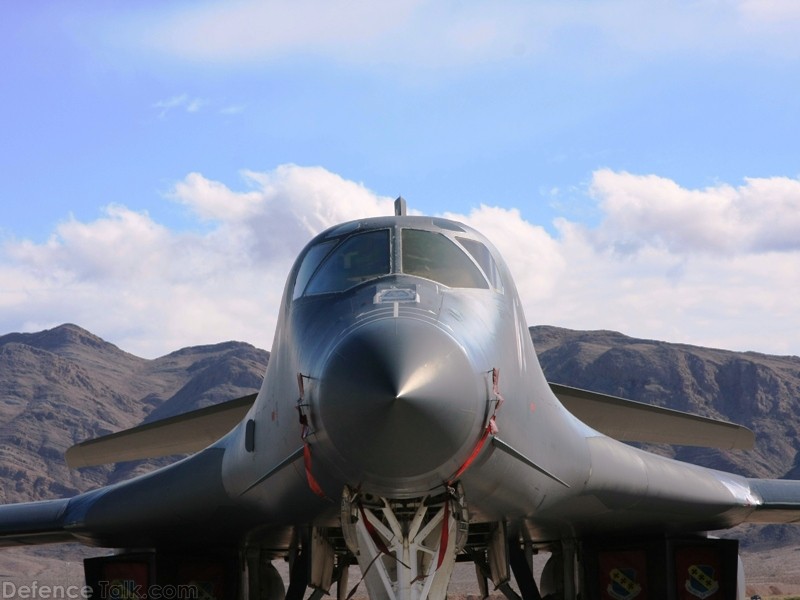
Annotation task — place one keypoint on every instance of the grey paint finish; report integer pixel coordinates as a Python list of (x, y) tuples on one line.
[(630, 421), (393, 374)]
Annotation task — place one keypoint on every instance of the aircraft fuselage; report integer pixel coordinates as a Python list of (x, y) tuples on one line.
[(400, 341)]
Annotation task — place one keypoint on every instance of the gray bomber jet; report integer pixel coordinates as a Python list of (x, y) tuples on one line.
[(404, 424)]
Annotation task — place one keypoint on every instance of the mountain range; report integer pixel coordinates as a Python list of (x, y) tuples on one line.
[(64, 385)]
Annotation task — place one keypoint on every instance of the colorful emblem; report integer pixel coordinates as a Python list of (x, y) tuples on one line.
[(623, 584), (701, 582)]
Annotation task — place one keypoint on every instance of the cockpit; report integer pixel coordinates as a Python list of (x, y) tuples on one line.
[(347, 258)]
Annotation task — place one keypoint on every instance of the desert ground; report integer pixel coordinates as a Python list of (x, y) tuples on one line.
[(773, 574)]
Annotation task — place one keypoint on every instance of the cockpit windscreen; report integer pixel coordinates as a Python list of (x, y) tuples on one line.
[(335, 265), (360, 257), (433, 256)]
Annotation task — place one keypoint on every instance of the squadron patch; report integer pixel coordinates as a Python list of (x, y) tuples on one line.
[(623, 584), (701, 582)]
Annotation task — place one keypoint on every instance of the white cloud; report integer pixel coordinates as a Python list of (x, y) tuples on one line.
[(759, 216), (716, 266), (770, 11), (152, 290), (212, 200), (180, 102), (121, 244), (606, 34), (532, 255), (248, 30), (232, 109), (283, 208)]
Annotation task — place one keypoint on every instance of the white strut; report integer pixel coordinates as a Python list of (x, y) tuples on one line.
[(406, 549)]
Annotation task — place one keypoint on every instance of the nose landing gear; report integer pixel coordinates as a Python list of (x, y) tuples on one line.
[(406, 549)]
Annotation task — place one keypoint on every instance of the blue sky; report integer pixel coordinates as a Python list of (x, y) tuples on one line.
[(644, 156)]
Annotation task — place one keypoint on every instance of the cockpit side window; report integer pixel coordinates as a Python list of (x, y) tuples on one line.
[(360, 257), (311, 261), (433, 256), (484, 258)]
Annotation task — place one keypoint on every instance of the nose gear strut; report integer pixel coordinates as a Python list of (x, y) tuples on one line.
[(406, 549)]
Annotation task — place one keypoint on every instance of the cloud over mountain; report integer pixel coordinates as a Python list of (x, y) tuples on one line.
[(713, 266)]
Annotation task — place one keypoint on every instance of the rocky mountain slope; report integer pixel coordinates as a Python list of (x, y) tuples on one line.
[(756, 390), (759, 391), (64, 385)]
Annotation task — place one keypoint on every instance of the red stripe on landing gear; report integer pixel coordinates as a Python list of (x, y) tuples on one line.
[(373, 533), (312, 482), (305, 431), (491, 427), (445, 534)]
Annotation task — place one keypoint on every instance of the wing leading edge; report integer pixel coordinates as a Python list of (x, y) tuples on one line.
[(622, 419), (631, 421), (33, 523), (774, 501), (780, 501), (182, 434)]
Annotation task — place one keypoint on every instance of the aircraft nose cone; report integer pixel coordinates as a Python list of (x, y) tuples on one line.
[(399, 400)]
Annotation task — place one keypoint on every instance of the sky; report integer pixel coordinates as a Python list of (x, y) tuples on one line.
[(636, 163)]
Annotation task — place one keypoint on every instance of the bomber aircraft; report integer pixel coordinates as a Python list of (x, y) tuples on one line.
[(404, 424)]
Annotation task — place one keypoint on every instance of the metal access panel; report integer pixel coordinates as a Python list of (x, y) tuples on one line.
[(705, 569), (200, 577), (120, 576), (150, 575), (662, 569)]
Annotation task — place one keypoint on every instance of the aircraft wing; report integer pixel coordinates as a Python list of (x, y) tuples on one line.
[(622, 419), (147, 506), (780, 501), (185, 500), (182, 434), (32, 523), (631, 421)]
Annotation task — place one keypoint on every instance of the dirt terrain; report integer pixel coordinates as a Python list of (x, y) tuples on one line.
[(771, 573)]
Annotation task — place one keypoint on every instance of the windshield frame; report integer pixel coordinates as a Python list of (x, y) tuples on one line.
[(458, 246), (338, 278), (450, 265)]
